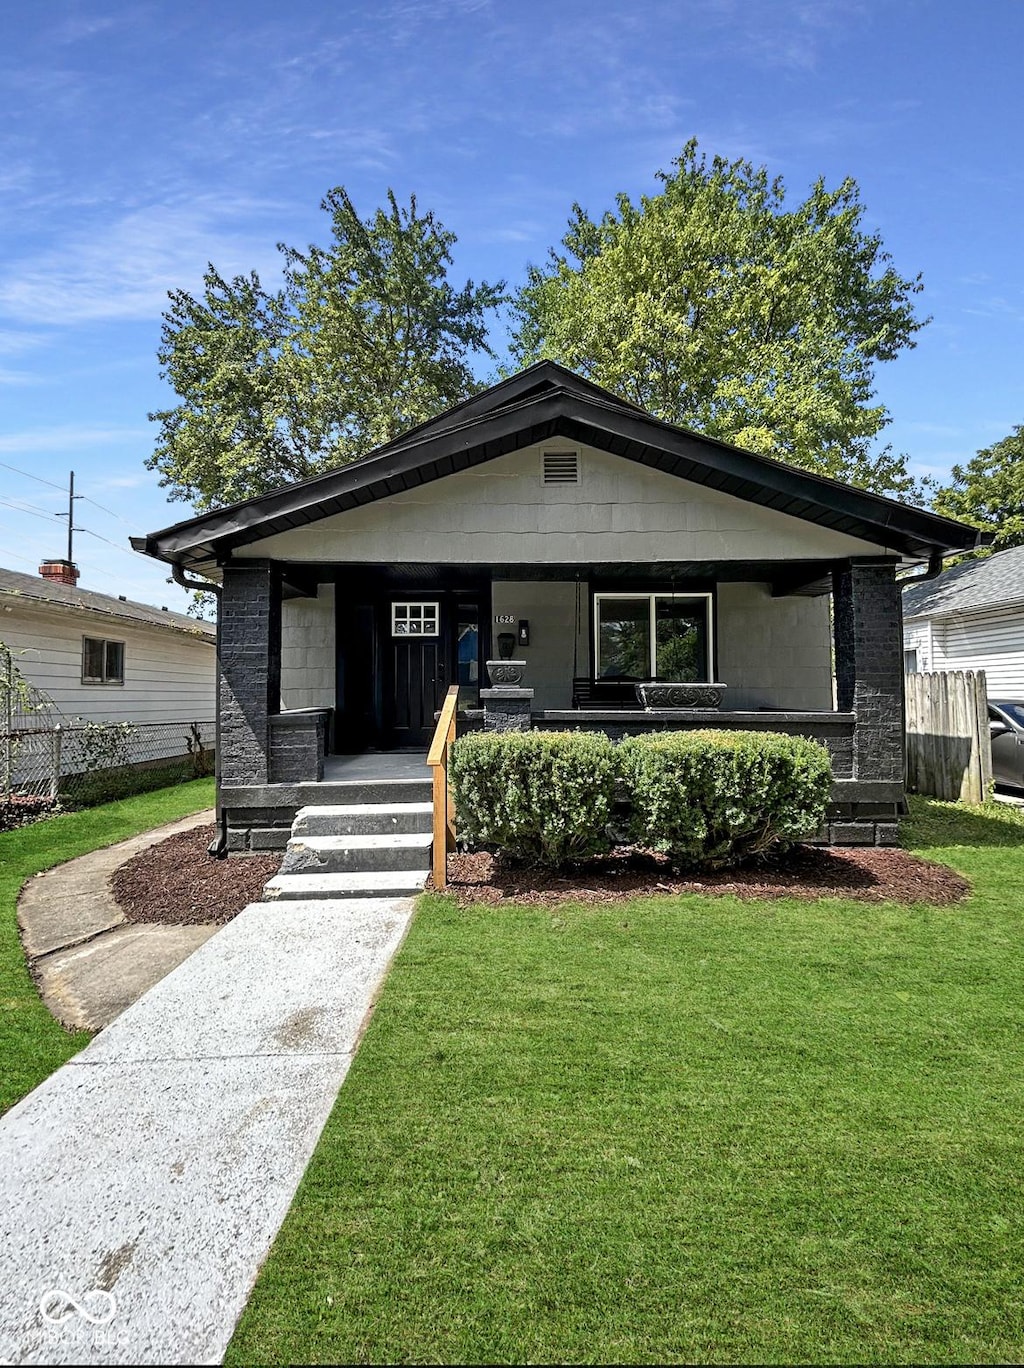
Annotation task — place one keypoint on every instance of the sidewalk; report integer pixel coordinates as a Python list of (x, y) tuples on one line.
[(142, 1184), (88, 962)]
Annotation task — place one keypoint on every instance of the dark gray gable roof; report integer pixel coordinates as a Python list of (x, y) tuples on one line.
[(34, 589), (992, 582), (542, 403)]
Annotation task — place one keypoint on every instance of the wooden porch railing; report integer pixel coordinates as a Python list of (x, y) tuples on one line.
[(444, 808)]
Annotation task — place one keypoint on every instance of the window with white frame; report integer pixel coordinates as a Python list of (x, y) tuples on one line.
[(653, 636), (102, 661), (417, 619)]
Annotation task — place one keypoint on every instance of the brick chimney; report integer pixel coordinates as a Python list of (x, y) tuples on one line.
[(60, 571)]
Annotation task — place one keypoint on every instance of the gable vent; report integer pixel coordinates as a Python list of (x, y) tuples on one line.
[(561, 467)]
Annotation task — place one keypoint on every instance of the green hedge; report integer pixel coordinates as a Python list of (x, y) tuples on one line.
[(712, 798), (544, 798)]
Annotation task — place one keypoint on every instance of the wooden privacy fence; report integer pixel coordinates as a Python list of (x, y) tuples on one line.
[(949, 752)]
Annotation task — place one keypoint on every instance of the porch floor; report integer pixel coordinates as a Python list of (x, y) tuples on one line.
[(373, 765)]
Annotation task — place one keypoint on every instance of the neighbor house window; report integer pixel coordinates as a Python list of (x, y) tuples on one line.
[(653, 636), (102, 661), (910, 662), (414, 619)]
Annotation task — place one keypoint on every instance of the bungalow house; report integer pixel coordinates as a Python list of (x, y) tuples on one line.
[(971, 617), (603, 547)]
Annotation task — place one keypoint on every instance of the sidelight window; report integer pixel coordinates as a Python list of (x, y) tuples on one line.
[(653, 636)]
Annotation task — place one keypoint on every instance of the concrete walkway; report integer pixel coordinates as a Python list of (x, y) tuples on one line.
[(142, 1184), (88, 962)]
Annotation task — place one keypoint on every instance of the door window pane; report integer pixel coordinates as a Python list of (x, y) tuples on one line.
[(680, 632), (414, 619), (624, 638)]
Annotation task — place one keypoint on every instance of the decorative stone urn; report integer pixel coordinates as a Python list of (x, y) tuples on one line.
[(505, 674), (680, 695)]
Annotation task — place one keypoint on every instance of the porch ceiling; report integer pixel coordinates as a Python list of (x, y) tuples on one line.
[(785, 577)]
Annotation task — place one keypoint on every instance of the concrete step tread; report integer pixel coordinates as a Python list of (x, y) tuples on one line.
[(409, 840), (365, 810), (366, 884)]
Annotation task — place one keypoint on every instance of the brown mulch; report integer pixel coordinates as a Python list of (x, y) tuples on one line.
[(871, 875), (178, 883)]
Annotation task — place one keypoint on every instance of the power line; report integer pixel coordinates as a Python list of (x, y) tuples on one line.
[(29, 476), (37, 512), (89, 532), (31, 509), (107, 510), (13, 555), (50, 485)]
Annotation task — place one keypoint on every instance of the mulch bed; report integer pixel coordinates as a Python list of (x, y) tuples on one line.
[(178, 883), (22, 808), (871, 875)]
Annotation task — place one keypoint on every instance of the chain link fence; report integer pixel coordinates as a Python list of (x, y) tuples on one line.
[(48, 760), (80, 763)]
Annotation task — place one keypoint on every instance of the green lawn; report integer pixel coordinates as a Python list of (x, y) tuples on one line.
[(32, 1044), (678, 1129)]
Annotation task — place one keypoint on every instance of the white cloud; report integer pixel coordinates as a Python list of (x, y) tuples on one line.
[(124, 269), (68, 437)]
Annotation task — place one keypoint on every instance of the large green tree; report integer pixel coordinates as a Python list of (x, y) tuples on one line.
[(989, 491), (365, 338), (715, 306)]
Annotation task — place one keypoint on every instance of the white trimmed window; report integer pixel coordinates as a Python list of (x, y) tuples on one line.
[(102, 661), (653, 636), (417, 619)]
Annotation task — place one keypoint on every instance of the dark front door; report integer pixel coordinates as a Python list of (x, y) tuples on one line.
[(419, 647)]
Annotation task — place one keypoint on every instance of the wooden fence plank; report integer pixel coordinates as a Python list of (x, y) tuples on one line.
[(949, 753)]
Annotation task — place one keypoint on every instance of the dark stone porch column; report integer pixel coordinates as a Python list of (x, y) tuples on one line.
[(868, 613), (249, 669)]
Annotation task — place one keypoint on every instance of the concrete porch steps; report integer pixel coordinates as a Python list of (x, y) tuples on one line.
[(354, 819), (386, 883), (357, 854), (376, 842)]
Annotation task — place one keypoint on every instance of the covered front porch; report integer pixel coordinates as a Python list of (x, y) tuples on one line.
[(322, 665)]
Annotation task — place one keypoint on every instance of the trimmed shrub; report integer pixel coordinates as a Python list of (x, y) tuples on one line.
[(544, 798), (711, 799)]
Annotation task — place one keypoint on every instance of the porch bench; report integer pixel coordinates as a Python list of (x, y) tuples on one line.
[(604, 693)]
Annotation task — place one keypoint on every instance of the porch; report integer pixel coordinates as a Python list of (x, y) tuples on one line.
[(334, 674)]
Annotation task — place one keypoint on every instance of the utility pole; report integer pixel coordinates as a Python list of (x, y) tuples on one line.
[(70, 515)]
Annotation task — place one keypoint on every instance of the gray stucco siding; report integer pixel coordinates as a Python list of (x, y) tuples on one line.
[(550, 608), (502, 512), (773, 652), (308, 651)]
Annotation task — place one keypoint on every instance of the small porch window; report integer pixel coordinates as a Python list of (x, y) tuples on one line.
[(653, 636)]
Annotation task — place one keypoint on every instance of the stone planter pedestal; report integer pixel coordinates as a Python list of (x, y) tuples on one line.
[(507, 705), (680, 695)]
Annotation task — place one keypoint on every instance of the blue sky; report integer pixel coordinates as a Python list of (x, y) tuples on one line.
[(138, 140)]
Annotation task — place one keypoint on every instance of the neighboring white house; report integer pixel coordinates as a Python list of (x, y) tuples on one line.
[(104, 658), (970, 618)]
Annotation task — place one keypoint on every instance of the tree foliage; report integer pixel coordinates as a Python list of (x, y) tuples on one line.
[(989, 491), (714, 306), (364, 339)]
